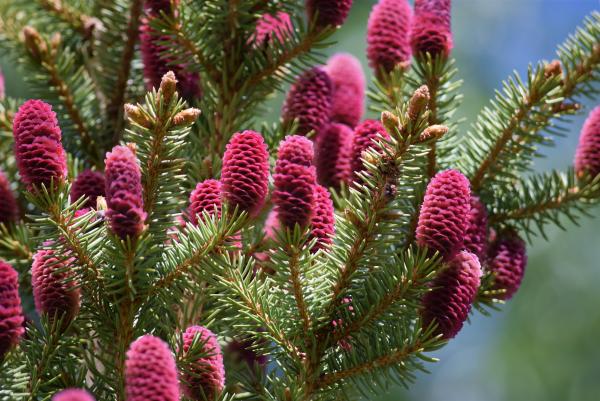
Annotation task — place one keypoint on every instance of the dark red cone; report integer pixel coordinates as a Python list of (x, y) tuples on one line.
[(453, 291), (364, 136), (206, 197), (508, 259), (323, 219), (90, 184), (333, 148), (11, 313), (309, 101), (349, 86), (388, 31), (245, 172), (9, 210), (587, 157), (295, 178), (328, 12), (124, 193), (38, 149), (476, 238), (444, 215)]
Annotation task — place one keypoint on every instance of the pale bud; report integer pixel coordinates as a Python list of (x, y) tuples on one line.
[(168, 86), (553, 69), (418, 102), (34, 43), (186, 117), (390, 121), (433, 132), (135, 114)]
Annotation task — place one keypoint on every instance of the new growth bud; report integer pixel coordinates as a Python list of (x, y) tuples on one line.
[(186, 117), (390, 121), (433, 133), (168, 87), (34, 43), (418, 103), (553, 69), (135, 114)]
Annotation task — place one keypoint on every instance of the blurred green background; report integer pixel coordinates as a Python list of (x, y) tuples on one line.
[(543, 345)]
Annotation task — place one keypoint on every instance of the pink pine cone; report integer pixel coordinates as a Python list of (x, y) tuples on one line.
[(206, 197), (124, 193), (587, 157), (323, 219), (11, 313), (333, 148), (270, 27), (441, 8), (73, 394), (453, 291), (90, 184), (508, 259), (9, 211), (150, 371), (349, 86), (364, 136), (309, 101), (245, 172), (156, 65), (38, 149), (388, 31), (54, 291), (430, 35), (209, 377), (444, 215), (328, 12), (476, 238), (295, 178)]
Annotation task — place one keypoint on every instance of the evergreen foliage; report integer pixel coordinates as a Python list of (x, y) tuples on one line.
[(338, 319)]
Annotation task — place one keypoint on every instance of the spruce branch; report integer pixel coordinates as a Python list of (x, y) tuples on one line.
[(542, 199), (78, 21)]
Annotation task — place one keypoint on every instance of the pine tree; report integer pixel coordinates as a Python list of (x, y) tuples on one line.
[(138, 208)]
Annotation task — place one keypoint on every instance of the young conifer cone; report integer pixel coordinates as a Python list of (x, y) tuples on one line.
[(508, 259), (73, 394), (364, 136), (54, 291), (295, 178), (388, 31), (349, 86), (245, 172), (444, 215), (208, 377), (587, 157), (476, 238), (333, 148), (322, 224), (38, 150), (206, 197), (90, 184), (328, 12), (9, 211), (431, 30), (156, 65), (150, 371), (11, 313), (309, 101), (452, 295), (124, 193), (272, 27)]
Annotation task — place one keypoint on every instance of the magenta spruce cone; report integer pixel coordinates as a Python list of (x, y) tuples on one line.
[(270, 27), (349, 86), (388, 43), (508, 259), (245, 172), (453, 291), (587, 157), (206, 197), (322, 224), (295, 178), (309, 101), (11, 313), (444, 215), (476, 238), (90, 184), (150, 371), (73, 394), (431, 31), (364, 136), (333, 148), (156, 66), (38, 150), (54, 291), (209, 373), (328, 12), (9, 211), (124, 193)]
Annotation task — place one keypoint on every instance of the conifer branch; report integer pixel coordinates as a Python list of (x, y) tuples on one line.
[(297, 287), (118, 96), (79, 22)]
